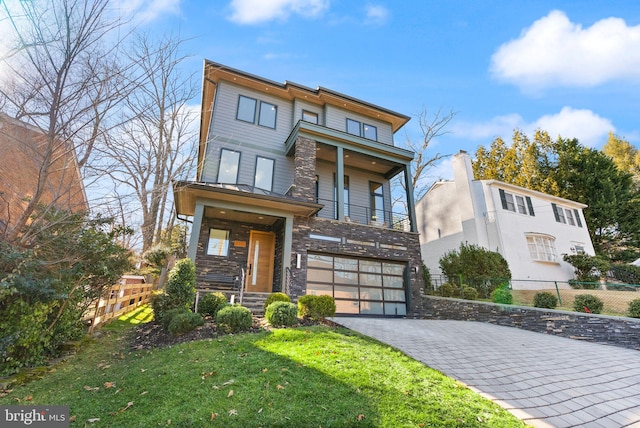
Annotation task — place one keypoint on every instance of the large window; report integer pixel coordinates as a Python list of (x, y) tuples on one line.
[(267, 112), (359, 286), (264, 173), (228, 169), (542, 247), (362, 129), (345, 195), (566, 215), (353, 127), (516, 203), (376, 202), (370, 132), (218, 244)]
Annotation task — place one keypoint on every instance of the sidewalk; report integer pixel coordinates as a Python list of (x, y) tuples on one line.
[(545, 380)]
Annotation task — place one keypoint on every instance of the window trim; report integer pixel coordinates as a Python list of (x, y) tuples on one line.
[(372, 196), (346, 196), (312, 113), (364, 131), (225, 243), (255, 172), (359, 134), (222, 150), (275, 115), (255, 107), (545, 238)]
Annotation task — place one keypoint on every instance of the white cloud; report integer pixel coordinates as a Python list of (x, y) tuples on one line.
[(556, 52), (256, 11), (376, 14), (582, 124)]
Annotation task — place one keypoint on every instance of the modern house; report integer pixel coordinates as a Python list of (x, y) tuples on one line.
[(23, 149), (293, 190), (531, 230)]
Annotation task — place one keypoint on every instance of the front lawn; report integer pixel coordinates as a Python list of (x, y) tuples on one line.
[(305, 377)]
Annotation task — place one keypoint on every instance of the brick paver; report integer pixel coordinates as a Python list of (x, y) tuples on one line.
[(545, 380)]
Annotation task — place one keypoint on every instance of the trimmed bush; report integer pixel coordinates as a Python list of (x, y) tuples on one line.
[(276, 297), (181, 286), (184, 322), (234, 318), (634, 308), (545, 300), (282, 314), (448, 290), (170, 315), (316, 307), (502, 295), (469, 293), (587, 303), (161, 304), (211, 303)]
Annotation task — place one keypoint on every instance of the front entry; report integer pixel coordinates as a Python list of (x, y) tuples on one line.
[(260, 263)]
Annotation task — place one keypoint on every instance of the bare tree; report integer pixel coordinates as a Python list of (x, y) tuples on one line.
[(155, 145), (63, 83)]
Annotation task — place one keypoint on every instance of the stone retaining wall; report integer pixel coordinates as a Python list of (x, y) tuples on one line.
[(617, 331)]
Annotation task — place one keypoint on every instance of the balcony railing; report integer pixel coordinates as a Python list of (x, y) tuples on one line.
[(358, 214)]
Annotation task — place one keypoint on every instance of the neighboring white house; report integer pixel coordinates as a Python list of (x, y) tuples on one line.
[(532, 230)]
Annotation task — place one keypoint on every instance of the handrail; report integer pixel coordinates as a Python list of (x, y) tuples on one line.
[(359, 214)]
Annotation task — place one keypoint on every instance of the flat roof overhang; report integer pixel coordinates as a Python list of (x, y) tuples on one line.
[(186, 193)]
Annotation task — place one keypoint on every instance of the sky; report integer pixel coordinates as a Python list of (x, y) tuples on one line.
[(571, 68)]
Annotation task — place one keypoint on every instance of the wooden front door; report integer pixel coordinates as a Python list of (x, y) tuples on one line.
[(260, 263)]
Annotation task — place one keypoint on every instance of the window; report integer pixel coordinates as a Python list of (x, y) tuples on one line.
[(264, 173), (218, 242), (542, 247), (566, 215), (246, 109), (346, 195), (377, 202), (308, 116), (370, 132), (516, 203), (228, 169), (267, 115), (569, 215), (353, 127), (247, 112)]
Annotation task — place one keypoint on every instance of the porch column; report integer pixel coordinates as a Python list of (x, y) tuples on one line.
[(411, 206), (340, 182), (286, 248), (195, 230)]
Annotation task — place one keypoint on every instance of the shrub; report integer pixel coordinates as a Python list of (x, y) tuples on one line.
[(234, 318), (316, 307), (626, 273), (502, 295), (545, 300), (448, 290), (184, 322), (587, 303), (169, 315), (211, 303), (587, 268), (469, 293), (181, 286), (161, 304), (276, 297), (634, 308), (282, 314), (426, 278)]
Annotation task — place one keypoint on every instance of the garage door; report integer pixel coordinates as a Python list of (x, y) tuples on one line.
[(359, 286)]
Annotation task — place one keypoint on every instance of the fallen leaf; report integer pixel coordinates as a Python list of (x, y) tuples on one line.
[(88, 388), (213, 416), (92, 420), (109, 385), (230, 393), (144, 392), (129, 404), (260, 410), (17, 399), (360, 417), (229, 382), (28, 398), (279, 387), (265, 370), (208, 374), (233, 412), (72, 418), (143, 370)]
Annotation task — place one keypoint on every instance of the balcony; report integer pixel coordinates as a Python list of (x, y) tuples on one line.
[(358, 214)]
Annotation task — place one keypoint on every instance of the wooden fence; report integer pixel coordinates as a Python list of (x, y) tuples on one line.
[(131, 292)]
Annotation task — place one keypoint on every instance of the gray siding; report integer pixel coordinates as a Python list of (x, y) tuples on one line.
[(251, 140), (337, 119), (299, 105)]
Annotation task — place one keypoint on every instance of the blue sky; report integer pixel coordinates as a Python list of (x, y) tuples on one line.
[(569, 67)]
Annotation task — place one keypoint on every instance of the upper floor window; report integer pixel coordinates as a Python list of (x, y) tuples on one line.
[(516, 203), (345, 195), (542, 247), (362, 129), (376, 201), (309, 116), (264, 173), (247, 108), (228, 168), (566, 215)]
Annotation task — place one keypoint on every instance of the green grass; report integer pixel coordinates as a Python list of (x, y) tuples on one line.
[(304, 377)]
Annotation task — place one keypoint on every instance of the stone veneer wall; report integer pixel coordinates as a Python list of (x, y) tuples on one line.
[(359, 241), (618, 331)]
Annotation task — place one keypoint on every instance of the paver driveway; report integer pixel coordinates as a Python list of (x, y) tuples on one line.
[(545, 380)]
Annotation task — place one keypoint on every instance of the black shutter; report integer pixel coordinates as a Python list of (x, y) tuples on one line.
[(530, 205), (503, 198), (577, 214), (555, 212)]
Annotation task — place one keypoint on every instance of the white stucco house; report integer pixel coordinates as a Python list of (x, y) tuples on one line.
[(532, 230)]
